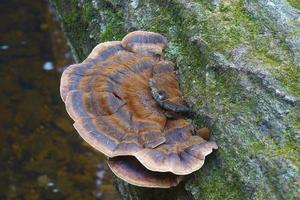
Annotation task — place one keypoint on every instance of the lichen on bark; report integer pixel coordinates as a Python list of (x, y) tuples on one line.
[(239, 67)]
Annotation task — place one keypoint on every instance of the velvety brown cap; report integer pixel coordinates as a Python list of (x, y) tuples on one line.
[(180, 154), (109, 98), (129, 169), (165, 88), (101, 53), (145, 43), (113, 108)]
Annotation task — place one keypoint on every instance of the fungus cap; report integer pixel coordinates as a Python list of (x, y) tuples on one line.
[(111, 98), (165, 88), (145, 43), (130, 170)]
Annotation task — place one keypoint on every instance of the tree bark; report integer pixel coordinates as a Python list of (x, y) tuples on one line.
[(239, 67)]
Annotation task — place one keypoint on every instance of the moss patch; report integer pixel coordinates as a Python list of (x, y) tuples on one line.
[(295, 3)]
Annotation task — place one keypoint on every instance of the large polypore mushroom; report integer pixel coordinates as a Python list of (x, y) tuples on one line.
[(126, 103)]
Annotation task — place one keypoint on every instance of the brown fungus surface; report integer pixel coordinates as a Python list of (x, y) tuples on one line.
[(166, 91), (131, 170), (121, 97)]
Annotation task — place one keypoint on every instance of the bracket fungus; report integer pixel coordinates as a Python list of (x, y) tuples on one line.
[(126, 103)]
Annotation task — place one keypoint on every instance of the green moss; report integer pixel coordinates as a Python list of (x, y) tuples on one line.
[(76, 20), (113, 30), (228, 27), (288, 150), (294, 118), (295, 3), (225, 29), (216, 187), (81, 22)]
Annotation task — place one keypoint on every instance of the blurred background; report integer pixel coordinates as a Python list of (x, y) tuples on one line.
[(41, 156)]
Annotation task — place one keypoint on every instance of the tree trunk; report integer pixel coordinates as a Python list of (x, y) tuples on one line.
[(239, 67)]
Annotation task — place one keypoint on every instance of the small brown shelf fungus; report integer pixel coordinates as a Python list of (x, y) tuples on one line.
[(126, 103)]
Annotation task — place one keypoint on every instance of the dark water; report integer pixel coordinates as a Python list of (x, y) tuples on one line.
[(41, 156)]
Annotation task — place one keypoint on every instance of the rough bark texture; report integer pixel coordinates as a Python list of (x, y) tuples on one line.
[(239, 65)]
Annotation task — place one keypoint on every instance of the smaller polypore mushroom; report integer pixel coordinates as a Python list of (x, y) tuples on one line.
[(165, 89), (131, 170), (126, 103)]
